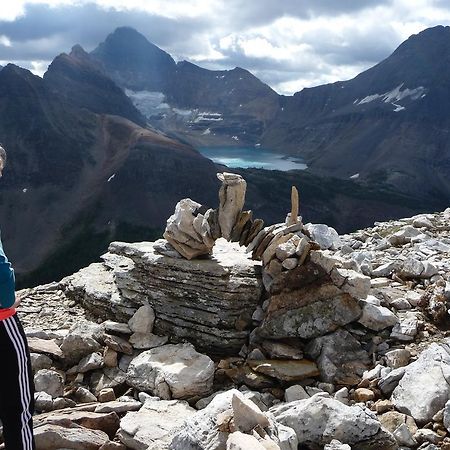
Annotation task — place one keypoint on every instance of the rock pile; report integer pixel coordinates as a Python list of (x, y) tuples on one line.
[(309, 340), (192, 230)]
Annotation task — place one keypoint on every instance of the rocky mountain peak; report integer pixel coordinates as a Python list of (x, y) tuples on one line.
[(133, 60), (78, 51)]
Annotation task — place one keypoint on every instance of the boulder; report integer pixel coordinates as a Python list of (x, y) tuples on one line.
[(375, 317), (305, 302), (50, 382), (83, 339), (425, 387), (200, 431), (172, 371), (95, 289), (55, 437), (142, 320), (241, 441), (320, 419), (203, 430), (90, 362), (325, 236), (154, 425), (208, 302), (340, 357)]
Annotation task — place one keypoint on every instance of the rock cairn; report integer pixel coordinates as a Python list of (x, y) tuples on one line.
[(343, 344), (192, 230)]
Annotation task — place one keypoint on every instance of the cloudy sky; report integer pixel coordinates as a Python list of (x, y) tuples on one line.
[(289, 44)]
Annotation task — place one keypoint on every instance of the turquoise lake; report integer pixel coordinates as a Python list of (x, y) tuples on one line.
[(255, 157)]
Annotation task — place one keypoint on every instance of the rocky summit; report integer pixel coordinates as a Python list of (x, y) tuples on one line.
[(235, 334)]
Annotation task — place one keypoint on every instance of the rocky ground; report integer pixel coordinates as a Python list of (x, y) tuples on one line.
[(309, 340)]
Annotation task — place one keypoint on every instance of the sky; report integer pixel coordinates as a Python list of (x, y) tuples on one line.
[(289, 44)]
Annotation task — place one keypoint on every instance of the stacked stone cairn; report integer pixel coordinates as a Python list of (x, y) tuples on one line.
[(192, 230), (232, 335)]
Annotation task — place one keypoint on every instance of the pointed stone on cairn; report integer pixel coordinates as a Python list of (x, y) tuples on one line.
[(292, 217), (232, 199)]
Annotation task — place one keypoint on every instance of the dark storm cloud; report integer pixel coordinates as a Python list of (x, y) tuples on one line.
[(43, 31)]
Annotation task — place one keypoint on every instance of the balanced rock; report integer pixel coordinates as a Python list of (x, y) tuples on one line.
[(188, 230), (231, 201)]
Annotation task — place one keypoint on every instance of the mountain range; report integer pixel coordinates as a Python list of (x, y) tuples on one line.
[(101, 147), (389, 125)]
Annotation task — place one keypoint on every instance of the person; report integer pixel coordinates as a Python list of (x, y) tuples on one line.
[(16, 383)]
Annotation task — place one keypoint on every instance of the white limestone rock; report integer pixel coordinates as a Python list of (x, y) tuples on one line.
[(376, 317), (83, 339), (76, 437), (406, 329), (50, 382), (425, 387), (241, 441), (325, 236), (154, 425), (142, 320), (247, 415), (172, 371), (320, 419)]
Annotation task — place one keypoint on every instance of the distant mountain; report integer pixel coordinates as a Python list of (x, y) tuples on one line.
[(81, 80), (87, 164), (199, 105), (388, 125), (134, 62)]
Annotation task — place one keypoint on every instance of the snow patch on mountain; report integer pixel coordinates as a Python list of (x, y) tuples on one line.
[(149, 103), (395, 95)]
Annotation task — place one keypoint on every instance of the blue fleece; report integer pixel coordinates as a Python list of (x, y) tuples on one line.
[(7, 281)]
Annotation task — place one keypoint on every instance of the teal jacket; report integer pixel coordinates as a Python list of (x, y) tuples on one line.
[(7, 281)]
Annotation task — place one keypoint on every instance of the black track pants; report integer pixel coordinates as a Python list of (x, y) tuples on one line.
[(16, 386)]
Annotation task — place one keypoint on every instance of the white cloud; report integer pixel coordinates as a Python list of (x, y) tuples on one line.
[(285, 46)]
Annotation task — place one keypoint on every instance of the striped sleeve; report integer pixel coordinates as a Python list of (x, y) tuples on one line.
[(7, 281)]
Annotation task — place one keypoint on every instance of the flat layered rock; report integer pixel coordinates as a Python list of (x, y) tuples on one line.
[(207, 301), (51, 437), (286, 370), (94, 288)]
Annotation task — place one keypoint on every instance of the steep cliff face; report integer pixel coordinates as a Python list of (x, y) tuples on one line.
[(134, 62), (81, 81)]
